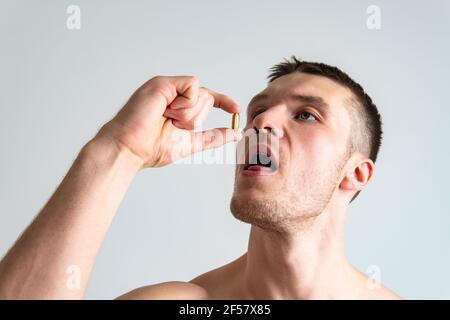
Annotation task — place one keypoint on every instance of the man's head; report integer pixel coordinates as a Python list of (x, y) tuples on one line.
[(328, 133)]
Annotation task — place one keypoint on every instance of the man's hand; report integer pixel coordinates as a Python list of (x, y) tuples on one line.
[(153, 129), (157, 122)]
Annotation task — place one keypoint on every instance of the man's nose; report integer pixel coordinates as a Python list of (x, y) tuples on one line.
[(270, 121)]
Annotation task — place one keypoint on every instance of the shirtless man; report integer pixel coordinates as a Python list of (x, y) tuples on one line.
[(328, 132)]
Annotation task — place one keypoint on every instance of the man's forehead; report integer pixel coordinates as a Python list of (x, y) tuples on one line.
[(297, 83)]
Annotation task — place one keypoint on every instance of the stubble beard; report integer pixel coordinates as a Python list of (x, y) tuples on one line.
[(291, 205)]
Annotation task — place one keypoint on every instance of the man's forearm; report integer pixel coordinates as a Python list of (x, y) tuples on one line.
[(66, 235)]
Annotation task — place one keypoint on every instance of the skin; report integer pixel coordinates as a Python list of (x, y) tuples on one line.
[(296, 244)]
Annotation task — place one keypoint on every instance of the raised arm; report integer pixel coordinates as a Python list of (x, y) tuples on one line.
[(55, 255)]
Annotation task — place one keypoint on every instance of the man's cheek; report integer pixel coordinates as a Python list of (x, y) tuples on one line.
[(322, 151)]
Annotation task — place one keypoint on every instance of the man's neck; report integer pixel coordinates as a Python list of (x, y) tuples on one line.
[(306, 263)]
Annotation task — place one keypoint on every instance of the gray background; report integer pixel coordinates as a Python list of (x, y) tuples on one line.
[(58, 86)]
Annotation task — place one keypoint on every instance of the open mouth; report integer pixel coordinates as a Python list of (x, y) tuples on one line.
[(260, 158)]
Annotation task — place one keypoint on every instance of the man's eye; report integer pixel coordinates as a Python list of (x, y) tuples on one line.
[(306, 116)]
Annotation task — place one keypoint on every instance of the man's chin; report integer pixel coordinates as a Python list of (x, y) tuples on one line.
[(256, 208), (277, 212)]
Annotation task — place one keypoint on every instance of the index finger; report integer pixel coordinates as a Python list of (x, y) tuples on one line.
[(224, 102)]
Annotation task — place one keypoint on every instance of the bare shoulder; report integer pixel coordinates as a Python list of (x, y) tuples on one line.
[(203, 287), (173, 290), (383, 293), (375, 290)]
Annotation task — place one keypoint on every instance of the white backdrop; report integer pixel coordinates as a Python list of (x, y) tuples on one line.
[(59, 85)]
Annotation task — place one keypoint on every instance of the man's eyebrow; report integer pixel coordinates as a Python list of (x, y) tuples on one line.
[(313, 100)]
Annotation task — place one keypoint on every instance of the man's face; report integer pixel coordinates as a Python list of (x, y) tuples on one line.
[(308, 123)]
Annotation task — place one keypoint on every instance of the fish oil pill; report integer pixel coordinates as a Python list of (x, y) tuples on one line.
[(235, 122)]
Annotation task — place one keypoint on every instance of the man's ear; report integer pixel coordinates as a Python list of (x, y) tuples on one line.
[(359, 177)]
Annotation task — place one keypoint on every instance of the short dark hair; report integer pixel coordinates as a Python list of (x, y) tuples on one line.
[(370, 131)]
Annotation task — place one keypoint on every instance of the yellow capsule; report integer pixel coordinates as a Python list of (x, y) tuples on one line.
[(235, 122)]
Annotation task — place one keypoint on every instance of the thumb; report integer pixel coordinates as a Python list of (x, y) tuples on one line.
[(213, 138)]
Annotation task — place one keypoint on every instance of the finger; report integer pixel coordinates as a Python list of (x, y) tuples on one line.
[(213, 138), (189, 118), (224, 102), (182, 102), (188, 122), (203, 114), (187, 89), (183, 114), (203, 107), (178, 124)]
